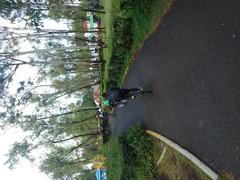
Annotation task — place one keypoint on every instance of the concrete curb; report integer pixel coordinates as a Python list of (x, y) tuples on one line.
[(213, 175)]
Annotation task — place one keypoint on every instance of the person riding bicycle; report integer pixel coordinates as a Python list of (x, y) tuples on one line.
[(115, 95)]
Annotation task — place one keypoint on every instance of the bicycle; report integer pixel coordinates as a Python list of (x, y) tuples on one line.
[(132, 94)]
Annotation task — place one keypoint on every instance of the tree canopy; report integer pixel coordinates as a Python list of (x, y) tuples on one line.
[(55, 108)]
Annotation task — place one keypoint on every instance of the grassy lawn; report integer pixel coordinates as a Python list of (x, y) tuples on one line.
[(107, 20), (128, 23), (114, 159), (110, 7)]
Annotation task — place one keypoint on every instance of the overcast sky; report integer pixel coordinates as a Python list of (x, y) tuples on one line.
[(25, 170)]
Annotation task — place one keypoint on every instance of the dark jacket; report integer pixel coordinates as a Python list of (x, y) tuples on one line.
[(114, 94)]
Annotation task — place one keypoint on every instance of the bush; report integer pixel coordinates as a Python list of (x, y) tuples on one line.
[(138, 152), (130, 156), (133, 22), (122, 42)]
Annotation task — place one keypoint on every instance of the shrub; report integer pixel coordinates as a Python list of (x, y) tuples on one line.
[(122, 42), (138, 152), (130, 156)]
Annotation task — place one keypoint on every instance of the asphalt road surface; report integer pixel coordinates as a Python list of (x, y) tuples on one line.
[(192, 63)]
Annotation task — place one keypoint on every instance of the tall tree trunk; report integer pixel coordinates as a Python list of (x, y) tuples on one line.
[(11, 55), (77, 122), (73, 137), (62, 114)]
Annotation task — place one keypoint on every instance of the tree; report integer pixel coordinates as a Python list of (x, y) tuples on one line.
[(53, 131), (66, 70), (64, 168), (32, 12), (55, 54)]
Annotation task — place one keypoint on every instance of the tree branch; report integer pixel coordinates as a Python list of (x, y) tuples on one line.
[(73, 137)]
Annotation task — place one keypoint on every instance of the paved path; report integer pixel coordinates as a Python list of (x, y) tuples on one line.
[(192, 63)]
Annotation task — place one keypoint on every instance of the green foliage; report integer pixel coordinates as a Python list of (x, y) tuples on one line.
[(130, 156), (138, 153), (132, 24), (33, 12), (59, 166), (52, 124), (114, 159), (67, 131), (18, 150), (122, 41), (21, 10)]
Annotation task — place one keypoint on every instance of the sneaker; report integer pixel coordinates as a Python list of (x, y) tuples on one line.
[(133, 97), (141, 89)]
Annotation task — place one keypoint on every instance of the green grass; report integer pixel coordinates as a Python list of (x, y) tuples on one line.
[(111, 7), (114, 159), (107, 19), (147, 18), (144, 16), (130, 156), (174, 165), (138, 151)]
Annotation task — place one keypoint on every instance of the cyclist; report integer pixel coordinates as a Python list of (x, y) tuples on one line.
[(115, 95)]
